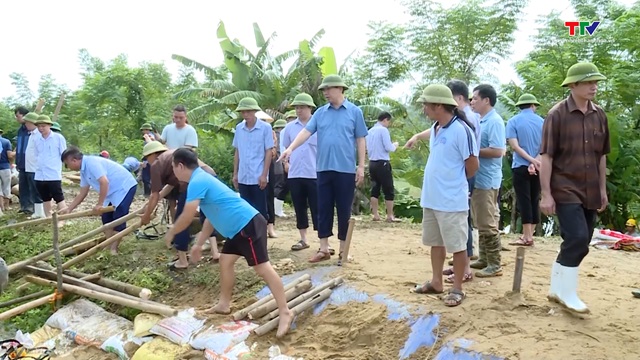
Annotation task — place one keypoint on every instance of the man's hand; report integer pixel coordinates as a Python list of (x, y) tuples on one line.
[(285, 155), (64, 211), (395, 144), (168, 239), (145, 219), (537, 164), (235, 181), (548, 205), (359, 175), (97, 208), (532, 169), (604, 200), (262, 182), (411, 142), (195, 254)]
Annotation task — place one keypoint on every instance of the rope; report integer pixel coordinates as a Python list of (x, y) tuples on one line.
[(54, 298)]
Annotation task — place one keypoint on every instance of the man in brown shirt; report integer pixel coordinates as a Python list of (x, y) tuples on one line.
[(161, 161), (575, 142)]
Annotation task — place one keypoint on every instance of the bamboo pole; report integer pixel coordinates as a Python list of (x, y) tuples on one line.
[(39, 106), (24, 298), (241, 314), (58, 108), (50, 275), (135, 304), (316, 299), (308, 295), (24, 307), (97, 248), (21, 264), (80, 248), (74, 215), (102, 281), (264, 309), (347, 242), (56, 251), (92, 277), (517, 276)]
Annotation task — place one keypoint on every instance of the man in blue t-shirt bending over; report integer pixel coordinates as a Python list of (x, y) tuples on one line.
[(234, 219)]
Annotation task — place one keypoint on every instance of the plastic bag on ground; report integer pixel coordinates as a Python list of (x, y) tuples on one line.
[(160, 349), (220, 338), (275, 354), (143, 322), (238, 352), (180, 328)]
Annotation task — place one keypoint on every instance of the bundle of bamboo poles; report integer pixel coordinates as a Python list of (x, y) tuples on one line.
[(300, 296)]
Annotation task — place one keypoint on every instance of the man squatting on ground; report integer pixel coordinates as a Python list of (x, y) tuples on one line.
[(234, 218)]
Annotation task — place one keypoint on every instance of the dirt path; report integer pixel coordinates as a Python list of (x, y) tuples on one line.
[(389, 259)]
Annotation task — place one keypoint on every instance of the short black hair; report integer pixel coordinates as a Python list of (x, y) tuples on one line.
[(21, 110), (459, 87), (71, 152), (525, 106), (487, 91), (384, 116), (180, 108), (186, 157)]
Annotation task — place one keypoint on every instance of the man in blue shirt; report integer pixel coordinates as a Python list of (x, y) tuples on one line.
[(26, 184), (484, 200), (114, 184), (5, 172), (379, 146), (234, 218), (341, 128), (524, 134), (452, 160)]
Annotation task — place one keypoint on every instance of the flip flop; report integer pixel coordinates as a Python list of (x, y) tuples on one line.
[(300, 245), (447, 272), (636, 293), (465, 278), (173, 267), (521, 242), (425, 288), (454, 298), (393, 220)]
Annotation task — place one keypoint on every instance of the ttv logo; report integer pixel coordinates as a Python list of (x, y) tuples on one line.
[(590, 27)]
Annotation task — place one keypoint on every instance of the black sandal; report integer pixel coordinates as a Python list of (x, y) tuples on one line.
[(300, 245)]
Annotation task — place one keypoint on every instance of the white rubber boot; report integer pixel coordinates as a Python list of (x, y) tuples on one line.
[(38, 212), (278, 205), (554, 288), (568, 289)]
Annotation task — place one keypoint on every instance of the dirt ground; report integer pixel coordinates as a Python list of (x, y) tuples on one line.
[(389, 259)]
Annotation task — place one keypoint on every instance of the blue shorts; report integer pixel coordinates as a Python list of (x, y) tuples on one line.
[(121, 210)]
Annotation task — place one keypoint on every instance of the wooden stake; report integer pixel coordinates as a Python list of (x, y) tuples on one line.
[(306, 296), (58, 108), (264, 309), (347, 242), (80, 248), (24, 307), (39, 106), (22, 299), (517, 276), (21, 264), (56, 251), (135, 304), (75, 215), (97, 248), (241, 314), (50, 275), (316, 299)]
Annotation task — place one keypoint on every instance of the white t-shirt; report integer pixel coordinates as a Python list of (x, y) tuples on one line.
[(30, 160), (176, 138)]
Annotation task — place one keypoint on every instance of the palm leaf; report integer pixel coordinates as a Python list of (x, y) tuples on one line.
[(234, 98), (190, 63), (316, 38)]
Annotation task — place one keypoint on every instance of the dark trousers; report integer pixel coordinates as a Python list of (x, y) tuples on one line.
[(146, 180), (27, 191), (472, 183), (282, 188), (182, 239), (527, 189), (304, 195), (335, 189), (576, 229), (255, 197), (381, 178)]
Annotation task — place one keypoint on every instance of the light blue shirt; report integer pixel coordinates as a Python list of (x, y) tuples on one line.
[(474, 119), (225, 210), (303, 160), (251, 145), (338, 129), (47, 152), (489, 175), (445, 186), (120, 180), (132, 164), (280, 142), (526, 127), (379, 143), (177, 138)]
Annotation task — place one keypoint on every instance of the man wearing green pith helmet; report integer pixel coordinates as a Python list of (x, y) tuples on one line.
[(341, 129), (573, 176)]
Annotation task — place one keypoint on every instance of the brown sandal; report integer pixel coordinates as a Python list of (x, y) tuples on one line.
[(320, 256)]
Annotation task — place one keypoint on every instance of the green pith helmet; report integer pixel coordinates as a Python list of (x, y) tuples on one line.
[(31, 117), (56, 127), (248, 104), (527, 99), (304, 99), (153, 147), (291, 114), (437, 94), (581, 72), (43, 119), (332, 81), (279, 124), (146, 126)]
